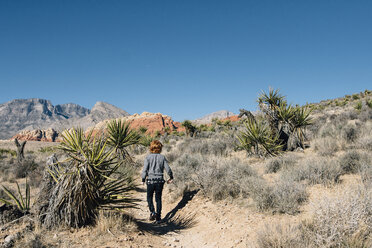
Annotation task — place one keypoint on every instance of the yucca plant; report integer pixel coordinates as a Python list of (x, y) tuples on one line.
[(258, 137), (23, 203), (120, 136), (301, 119), (273, 99), (88, 181)]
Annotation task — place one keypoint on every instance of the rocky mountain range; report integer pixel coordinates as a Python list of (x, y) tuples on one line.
[(35, 113)]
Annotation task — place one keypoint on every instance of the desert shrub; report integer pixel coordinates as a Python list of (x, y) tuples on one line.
[(344, 220), (22, 169), (220, 179), (172, 156), (216, 178), (273, 165), (315, 170), (358, 106), (280, 235), (350, 162), (283, 197), (355, 96), (219, 145), (350, 133), (138, 149), (7, 151), (365, 115), (47, 149), (369, 103), (327, 146)]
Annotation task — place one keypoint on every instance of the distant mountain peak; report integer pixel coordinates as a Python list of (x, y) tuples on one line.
[(221, 114), (36, 113)]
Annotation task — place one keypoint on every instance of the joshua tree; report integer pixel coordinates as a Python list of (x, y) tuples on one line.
[(20, 149)]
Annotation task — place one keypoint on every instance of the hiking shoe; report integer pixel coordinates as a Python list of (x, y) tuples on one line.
[(157, 217), (152, 216)]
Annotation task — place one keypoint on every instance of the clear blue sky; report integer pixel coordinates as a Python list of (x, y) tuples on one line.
[(183, 58)]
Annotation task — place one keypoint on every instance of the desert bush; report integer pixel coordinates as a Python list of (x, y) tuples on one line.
[(327, 146), (350, 162), (350, 133), (273, 165), (344, 220), (315, 170), (369, 103), (22, 169), (358, 106), (47, 149), (220, 145), (7, 151), (285, 196), (216, 178)]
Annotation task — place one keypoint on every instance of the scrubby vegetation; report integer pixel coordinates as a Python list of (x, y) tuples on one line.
[(271, 163)]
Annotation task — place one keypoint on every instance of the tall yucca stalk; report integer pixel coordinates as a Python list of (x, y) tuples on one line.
[(257, 136), (88, 181), (120, 136)]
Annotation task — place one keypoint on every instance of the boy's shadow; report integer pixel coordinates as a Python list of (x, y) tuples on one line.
[(172, 223)]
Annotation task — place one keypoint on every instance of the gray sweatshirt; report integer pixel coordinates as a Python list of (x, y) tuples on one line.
[(154, 166)]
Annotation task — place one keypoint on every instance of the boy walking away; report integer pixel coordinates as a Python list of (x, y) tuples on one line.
[(152, 173)]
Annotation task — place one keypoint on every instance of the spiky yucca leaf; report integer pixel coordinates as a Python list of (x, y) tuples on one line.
[(300, 121), (23, 204), (286, 112), (120, 136), (258, 135), (273, 99)]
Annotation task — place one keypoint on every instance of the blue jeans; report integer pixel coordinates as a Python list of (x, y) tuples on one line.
[(158, 189)]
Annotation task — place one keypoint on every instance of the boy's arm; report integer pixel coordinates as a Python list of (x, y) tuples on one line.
[(168, 169), (145, 170)]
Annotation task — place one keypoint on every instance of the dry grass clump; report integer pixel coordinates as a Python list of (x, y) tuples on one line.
[(113, 223), (280, 235), (315, 170)]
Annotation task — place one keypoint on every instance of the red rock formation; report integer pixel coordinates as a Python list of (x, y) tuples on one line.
[(153, 123), (232, 118), (49, 135)]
